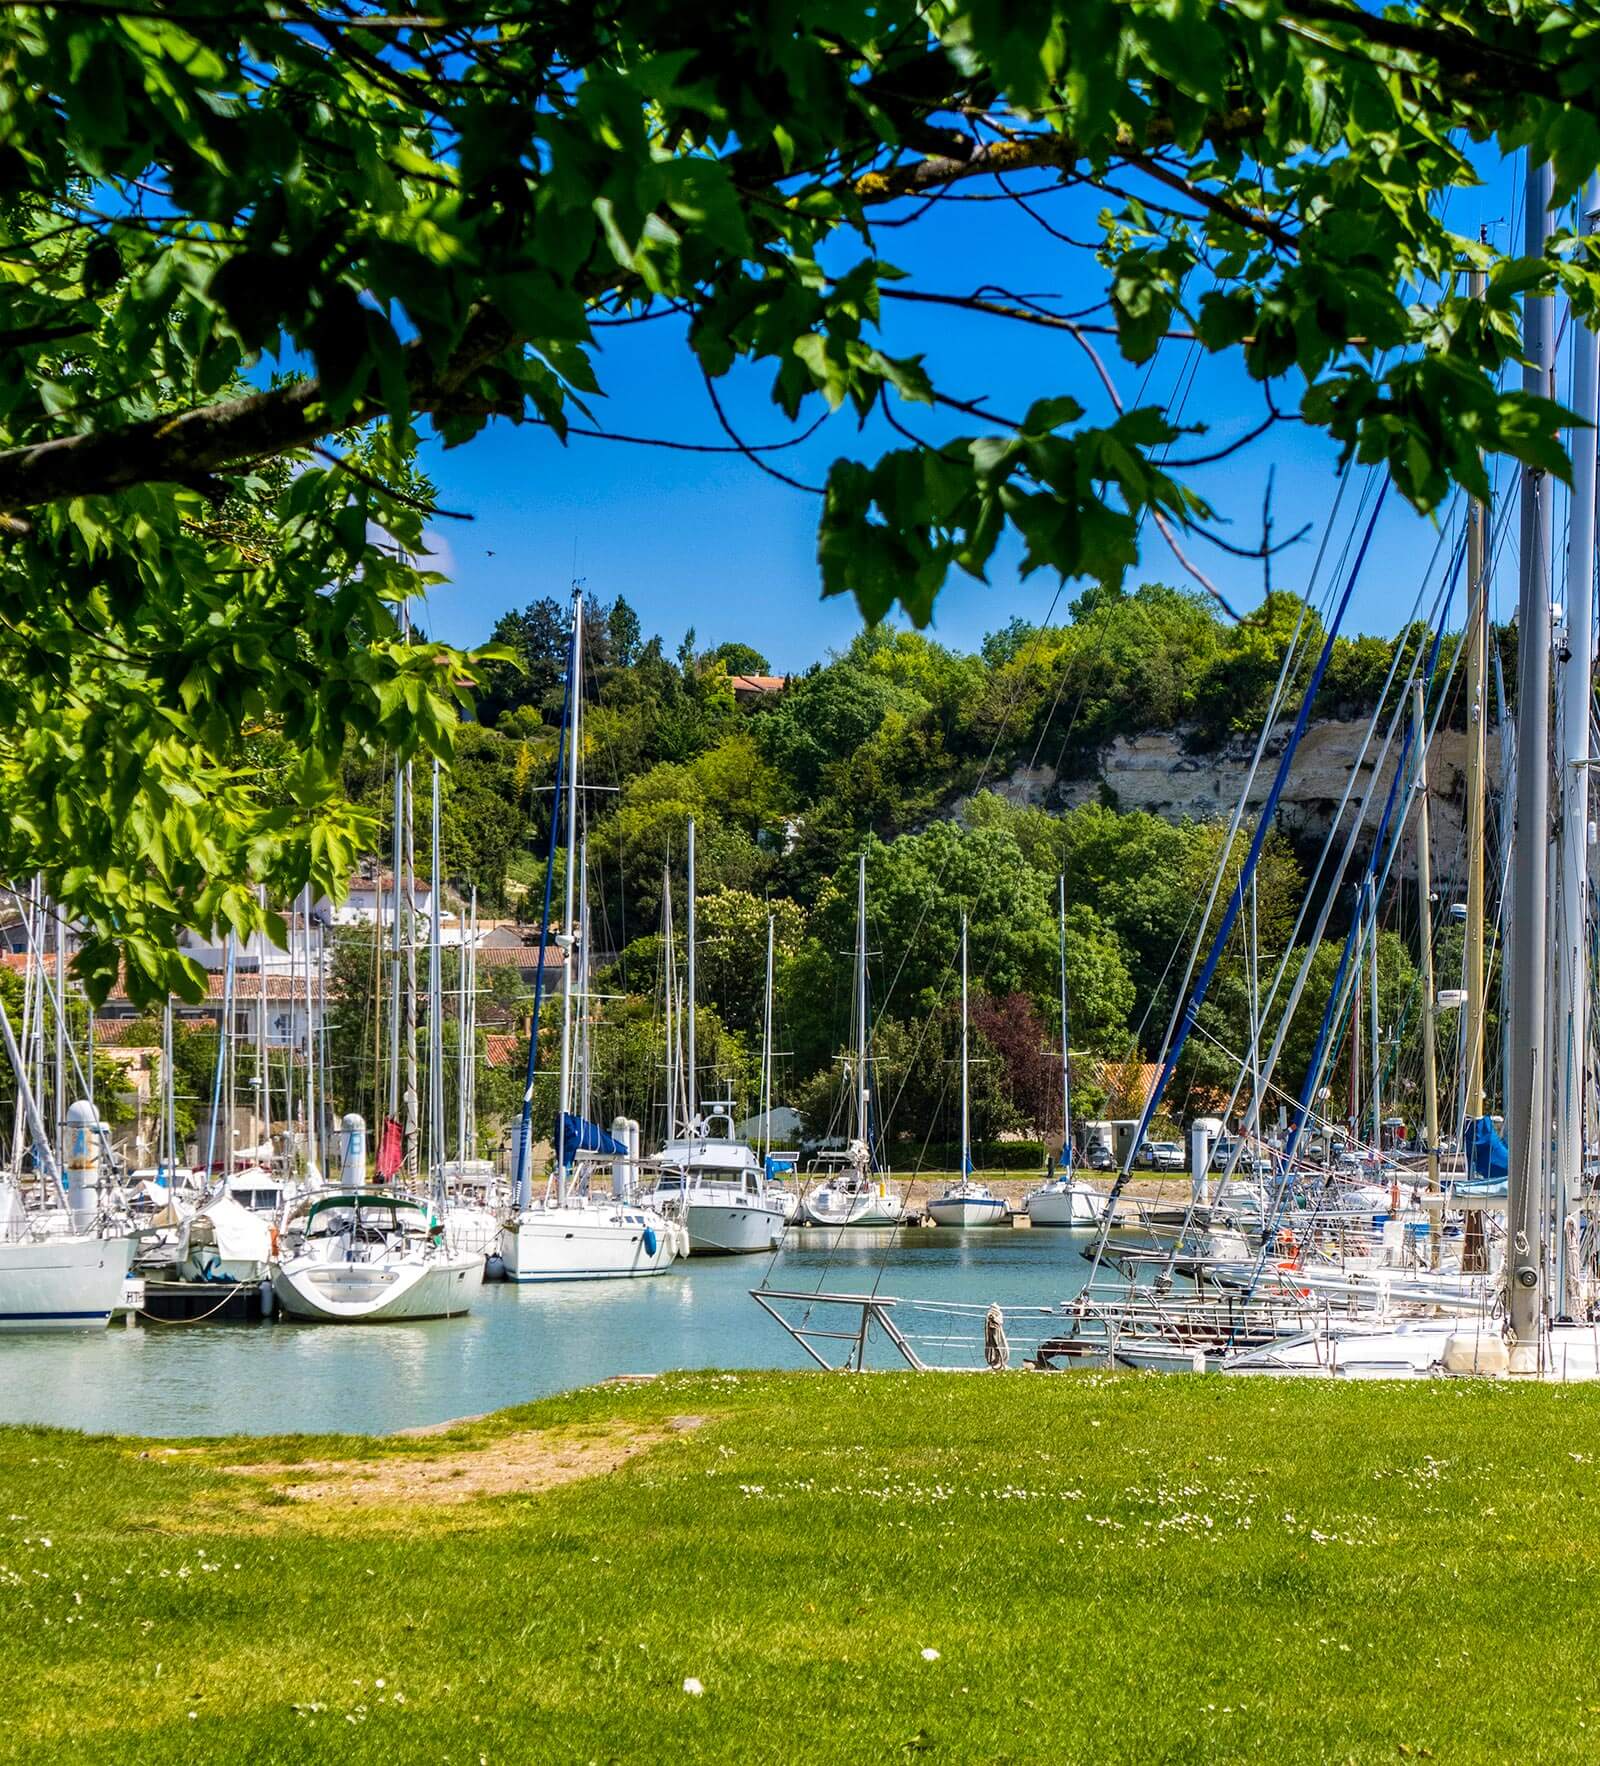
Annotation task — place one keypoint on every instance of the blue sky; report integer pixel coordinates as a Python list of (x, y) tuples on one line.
[(709, 541)]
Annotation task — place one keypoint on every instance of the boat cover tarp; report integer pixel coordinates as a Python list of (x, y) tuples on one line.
[(578, 1136), (239, 1235), (1487, 1155)]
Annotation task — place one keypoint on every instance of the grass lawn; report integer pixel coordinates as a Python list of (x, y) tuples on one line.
[(1109, 1567)]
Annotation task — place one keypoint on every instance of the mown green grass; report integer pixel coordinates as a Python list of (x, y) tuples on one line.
[(1110, 1567)]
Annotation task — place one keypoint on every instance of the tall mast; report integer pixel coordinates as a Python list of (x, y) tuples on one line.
[(766, 1049), (467, 1053), (691, 1076), (966, 1101), (397, 856), (1430, 1074), (263, 1088), (166, 1158), (864, 1127), (436, 1147), (569, 937), (411, 1127), (669, 989), (1374, 1027), (1528, 1073), (585, 1014), (1066, 1063), (58, 919), (1575, 697), (1477, 736), (313, 1139)]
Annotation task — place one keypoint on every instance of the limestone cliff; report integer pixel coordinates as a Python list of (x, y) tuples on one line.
[(1158, 773)]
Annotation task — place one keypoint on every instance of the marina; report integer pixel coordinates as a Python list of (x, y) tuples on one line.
[(518, 1342)]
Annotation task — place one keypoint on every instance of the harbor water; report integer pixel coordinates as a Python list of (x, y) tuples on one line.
[(517, 1344)]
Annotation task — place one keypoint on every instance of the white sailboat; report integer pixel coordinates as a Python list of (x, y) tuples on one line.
[(1063, 1201), (852, 1192), (569, 1234), (371, 1256), (706, 1174), (967, 1202), (70, 1279)]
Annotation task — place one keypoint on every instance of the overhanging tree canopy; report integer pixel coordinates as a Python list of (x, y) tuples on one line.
[(249, 248)]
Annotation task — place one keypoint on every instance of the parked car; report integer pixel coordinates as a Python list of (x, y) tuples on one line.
[(1098, 1155), (1145, 1156), (1167, 1155)]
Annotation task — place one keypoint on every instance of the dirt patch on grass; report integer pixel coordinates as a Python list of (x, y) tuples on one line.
[(534, 1460)]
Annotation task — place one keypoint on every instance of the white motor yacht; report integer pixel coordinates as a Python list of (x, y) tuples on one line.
[(718, 1187)]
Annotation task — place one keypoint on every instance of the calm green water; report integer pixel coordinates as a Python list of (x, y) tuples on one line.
[(517, 1344)]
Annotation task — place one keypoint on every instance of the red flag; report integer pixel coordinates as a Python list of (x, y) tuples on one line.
[(390, 1152)]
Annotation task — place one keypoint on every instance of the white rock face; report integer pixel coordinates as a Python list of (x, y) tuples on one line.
[(1154, 773)]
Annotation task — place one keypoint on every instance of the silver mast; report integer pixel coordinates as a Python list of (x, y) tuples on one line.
[(766, 1050), (60, 923), (691, 1074), (569, 938), (1430, 1071), (1376, 1029), (397, 864), (863, 1126), (669, 990), (1527, 1070), (966, 1102), (1574, 697), (1066, 1063), (585, 1013), (411, 1122), (436, 1148)]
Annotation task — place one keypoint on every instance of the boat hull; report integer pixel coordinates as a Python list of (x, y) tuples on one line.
[(1073, 1205), (565, 1244), (967, 1211), (62, 1284), (731, 1228), (378, 1292), (870, 1210)]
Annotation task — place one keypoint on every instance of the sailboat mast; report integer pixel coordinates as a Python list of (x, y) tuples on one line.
[(691, 1076), (1476, 782), (58, 920), (966, 1099), (411, 1129), (585, 1016), (467, 1062), (436, 1147), (397, 864), (1527, 1076), (569, 937), (864, 1127), (1066, 1063), (1576, 688), (1373, 1025), (1430, 1071), (766, 1050), (669, 991), (313, 965)]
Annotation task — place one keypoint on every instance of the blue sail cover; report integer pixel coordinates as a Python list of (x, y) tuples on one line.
[(1487, 1156), (578, 1136)]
